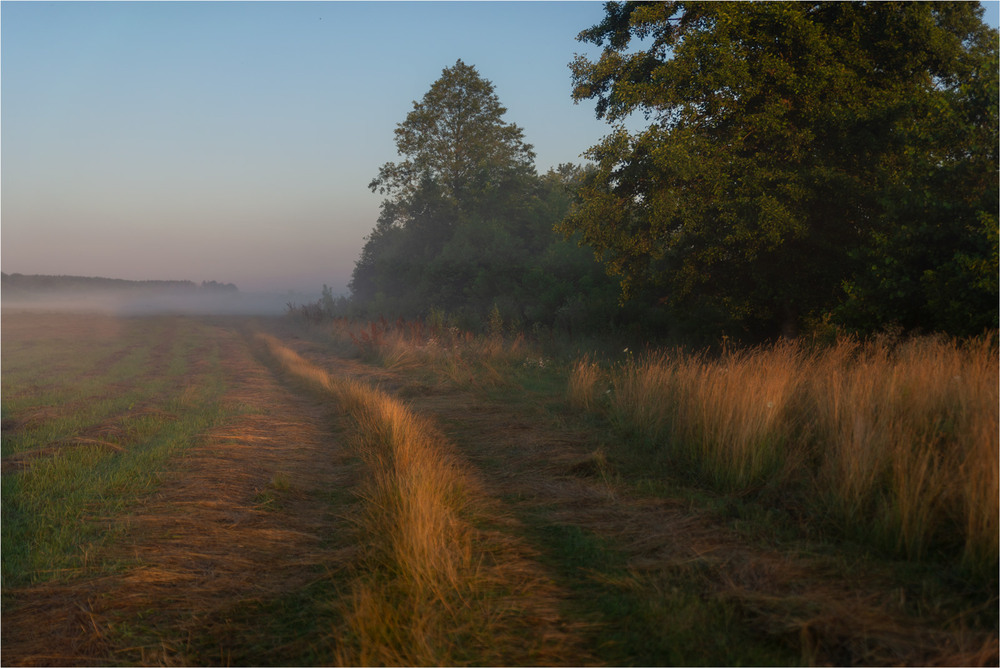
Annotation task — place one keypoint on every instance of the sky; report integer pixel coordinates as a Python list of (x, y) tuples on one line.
[(234, 141)]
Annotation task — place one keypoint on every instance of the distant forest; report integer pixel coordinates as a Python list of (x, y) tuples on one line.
[(20, 284), (807, 167)]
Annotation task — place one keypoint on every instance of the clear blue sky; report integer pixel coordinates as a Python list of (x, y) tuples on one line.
[(235, 141)]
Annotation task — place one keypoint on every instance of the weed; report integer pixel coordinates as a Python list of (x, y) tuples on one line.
[(586, 385)]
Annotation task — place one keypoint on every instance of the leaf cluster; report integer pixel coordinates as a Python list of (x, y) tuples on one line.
[(456, 137), (467, 227), (791, 148), (800, 165)]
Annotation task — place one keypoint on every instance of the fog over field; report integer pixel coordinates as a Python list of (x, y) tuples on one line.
[(160, 303), (120, 297), (236, 141)]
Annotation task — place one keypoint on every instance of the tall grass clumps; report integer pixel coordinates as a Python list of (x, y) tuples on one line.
[(897, 442), (585, 381), (458, 356), (732, 418), (907, 442)]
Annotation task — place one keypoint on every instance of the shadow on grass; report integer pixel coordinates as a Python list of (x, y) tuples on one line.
[(650, 618)]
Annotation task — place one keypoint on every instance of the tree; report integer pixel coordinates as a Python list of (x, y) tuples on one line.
[(409, 234), (456, 137), (934, 264), (462, 163), (785, 142), (467, 225)]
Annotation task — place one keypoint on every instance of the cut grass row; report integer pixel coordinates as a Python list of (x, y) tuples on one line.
[(433, 582), (431, 587), (86, 435), (891, 443), (621, 616), (783, 609)]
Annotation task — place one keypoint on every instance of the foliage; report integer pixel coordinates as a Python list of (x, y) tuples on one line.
[(456, 137), (468, 225), (800, 159)]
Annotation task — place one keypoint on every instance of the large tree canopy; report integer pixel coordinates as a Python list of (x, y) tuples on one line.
[(456, 136), (801, 159), (467, 227)]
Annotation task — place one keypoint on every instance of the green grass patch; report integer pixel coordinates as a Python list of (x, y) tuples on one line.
[(71, 467), (656, 618)]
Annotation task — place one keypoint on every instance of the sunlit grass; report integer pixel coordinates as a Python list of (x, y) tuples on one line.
[(908, 436), (738, 437), (893, 443), (418, 549), (586, 384), (730, 418), (896, 443), (456, 356), (425, 593)]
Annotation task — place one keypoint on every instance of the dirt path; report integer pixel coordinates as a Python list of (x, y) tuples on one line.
[(833, 614), (205, 542), (205, 556)]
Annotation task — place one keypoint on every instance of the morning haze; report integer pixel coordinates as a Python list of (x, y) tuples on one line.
[(723, 390), (234, 141)]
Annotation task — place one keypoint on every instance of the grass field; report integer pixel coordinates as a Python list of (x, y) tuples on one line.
[(241, 491)]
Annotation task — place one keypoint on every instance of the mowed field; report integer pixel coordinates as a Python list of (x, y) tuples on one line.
[(235, 491)]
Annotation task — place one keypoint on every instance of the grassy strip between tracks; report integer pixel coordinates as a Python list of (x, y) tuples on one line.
[(431, 586), (878, 456)]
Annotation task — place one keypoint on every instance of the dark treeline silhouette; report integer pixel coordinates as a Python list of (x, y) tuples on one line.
[(807, 167), (466, 233), (15, 284)]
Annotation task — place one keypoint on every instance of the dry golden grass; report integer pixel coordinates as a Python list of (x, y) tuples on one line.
[(899, 442), (427, 591), (909, 435), (585, 380), (395, 614), (730, 416), (459, 357), (247, 541)]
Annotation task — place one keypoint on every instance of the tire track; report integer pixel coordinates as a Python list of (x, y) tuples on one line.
[(442, 579), (797, 599)]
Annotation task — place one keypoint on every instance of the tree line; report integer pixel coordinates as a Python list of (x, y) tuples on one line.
[(803, 166), (18, 284)]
